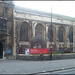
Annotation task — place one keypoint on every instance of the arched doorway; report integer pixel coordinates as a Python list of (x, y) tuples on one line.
[(1, 50)]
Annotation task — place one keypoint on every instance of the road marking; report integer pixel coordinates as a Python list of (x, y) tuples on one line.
[(44, 71), (62, 68)]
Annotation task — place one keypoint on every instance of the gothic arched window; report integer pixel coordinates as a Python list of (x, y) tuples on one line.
[(50, 33), (39, 30), (60, 34), (71, 34), (24, 32)]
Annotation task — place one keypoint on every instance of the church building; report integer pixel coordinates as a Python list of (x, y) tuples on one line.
[(22, 28)]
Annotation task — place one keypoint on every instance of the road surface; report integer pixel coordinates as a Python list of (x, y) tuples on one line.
[(35, 67)]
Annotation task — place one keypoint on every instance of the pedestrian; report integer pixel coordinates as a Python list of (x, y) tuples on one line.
[(41, 56), (50, 50), (20, 50)]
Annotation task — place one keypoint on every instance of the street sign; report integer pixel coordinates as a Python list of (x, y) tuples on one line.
[(8, 51), (27, 51), (38, 51)]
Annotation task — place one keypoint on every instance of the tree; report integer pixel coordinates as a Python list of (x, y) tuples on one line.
[(38, 40)]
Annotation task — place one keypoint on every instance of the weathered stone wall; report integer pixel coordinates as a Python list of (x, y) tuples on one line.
[(56, 27), (45, 57), (8, 17), (40, 18), (1, 10), (9, 7), (46, 22)]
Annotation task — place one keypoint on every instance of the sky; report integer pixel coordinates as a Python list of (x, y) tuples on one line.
[(66, 8)]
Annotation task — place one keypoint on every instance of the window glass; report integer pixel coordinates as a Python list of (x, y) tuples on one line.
[(60, 34), (50, 33), (71, 34), (38, 30), (24, 33)]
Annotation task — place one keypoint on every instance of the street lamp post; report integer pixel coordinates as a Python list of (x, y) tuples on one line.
[(51, 35), (51, 26)]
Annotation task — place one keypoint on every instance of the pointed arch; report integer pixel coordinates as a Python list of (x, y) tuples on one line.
[(24, 31), (71, 34), (39, 30), (61, 34), (50, 33)]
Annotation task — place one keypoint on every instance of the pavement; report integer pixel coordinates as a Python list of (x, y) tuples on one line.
[(33, 67)]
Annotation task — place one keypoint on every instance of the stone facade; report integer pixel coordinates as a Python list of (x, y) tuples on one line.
[(35, 19), (7, 27), (24, 24)]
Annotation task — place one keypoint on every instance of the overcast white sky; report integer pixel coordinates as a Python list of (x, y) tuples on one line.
[(59, 7)]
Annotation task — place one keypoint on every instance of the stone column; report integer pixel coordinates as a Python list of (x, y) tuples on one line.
[(33, 28), (57, 40), (30, 35), (16, 33), (14, 37), (67, 37), (47, 39), (74, 37), (7, 39)]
